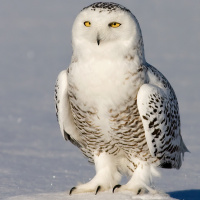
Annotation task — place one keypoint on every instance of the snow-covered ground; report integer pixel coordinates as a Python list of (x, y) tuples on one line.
[(35, 44)]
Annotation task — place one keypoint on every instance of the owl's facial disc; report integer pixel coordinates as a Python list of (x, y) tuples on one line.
[(103, 28), (111, 25)]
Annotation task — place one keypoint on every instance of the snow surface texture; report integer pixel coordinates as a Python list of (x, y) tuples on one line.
[(100, 196), (35, 45)]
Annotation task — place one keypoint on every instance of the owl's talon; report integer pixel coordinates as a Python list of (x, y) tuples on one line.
[(116, 186), (72, 189), (98, 188)]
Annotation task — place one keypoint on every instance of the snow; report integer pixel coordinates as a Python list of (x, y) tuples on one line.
[(35, 45), (103, 195)]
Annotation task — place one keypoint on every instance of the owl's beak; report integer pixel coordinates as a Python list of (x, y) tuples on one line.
[(98, 39)]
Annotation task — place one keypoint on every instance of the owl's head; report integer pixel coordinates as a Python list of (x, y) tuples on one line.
[(104, 25)]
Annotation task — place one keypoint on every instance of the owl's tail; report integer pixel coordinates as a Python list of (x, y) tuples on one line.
[(183, 148)]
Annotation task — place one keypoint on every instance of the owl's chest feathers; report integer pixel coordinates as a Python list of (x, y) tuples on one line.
[(101, 95), (105, 80)]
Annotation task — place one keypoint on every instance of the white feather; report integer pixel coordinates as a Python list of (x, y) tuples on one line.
[(65, 118), (143, 99)]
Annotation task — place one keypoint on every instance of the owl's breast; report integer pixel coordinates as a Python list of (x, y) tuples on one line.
[(97, 96), (105, 81)]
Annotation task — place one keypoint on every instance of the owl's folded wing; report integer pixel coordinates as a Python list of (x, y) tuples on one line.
[(63, 110), (161, 121)]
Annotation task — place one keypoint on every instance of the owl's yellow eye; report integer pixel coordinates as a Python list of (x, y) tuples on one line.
[(87, 24), (114, 24)]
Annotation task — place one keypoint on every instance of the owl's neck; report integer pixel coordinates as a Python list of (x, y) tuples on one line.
[(109, 52)]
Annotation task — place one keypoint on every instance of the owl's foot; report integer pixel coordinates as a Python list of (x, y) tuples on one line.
[(75, 191), (107, 176), (141, 180), (136, 190)]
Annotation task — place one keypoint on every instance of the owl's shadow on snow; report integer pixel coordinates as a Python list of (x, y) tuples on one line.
[(186, 194)]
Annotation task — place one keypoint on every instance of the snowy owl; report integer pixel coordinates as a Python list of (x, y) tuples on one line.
[(120, 111)]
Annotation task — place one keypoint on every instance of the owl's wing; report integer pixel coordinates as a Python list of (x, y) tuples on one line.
[(63, 110), (160, 116)]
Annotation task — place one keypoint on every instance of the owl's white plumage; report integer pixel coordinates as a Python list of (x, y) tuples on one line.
[(119, 110)]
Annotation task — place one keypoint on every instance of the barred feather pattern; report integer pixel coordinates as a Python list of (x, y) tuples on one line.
[(127, 132), (163, 121), (91, 134), (127, 135)]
